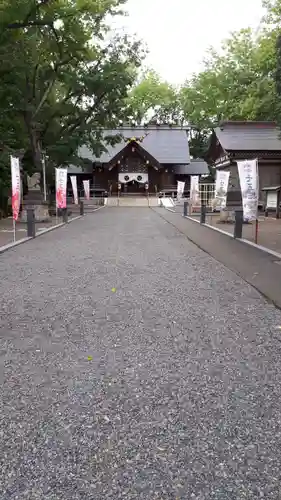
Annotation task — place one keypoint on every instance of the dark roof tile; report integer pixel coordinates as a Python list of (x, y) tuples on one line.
[(196, 167), (249, 136), (166, 144)]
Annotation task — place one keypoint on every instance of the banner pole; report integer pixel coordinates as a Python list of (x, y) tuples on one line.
[(14, 227), (257, 218), (256, 230)]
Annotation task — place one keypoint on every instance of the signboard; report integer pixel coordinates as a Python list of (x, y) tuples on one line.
[(16, 184), (271, 199), (61, 185), (223, 161), (249, 183), (221, 187)]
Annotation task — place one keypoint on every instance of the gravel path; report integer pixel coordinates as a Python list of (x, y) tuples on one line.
[(167, 388)]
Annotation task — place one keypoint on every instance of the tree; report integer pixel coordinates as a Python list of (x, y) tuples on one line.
[(236, 84), (153, 99), (62, 80), (273, 18)]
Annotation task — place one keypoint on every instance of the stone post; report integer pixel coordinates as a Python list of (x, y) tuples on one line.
[(238, 225), (30, 219), (64, 215), (203, 214)]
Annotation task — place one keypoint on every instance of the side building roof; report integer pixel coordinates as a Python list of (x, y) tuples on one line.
[(249, 136), (167, 144)]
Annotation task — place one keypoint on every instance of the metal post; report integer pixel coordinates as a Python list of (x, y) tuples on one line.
[(64, 215), (81, 207), (185, 208), (238, 226), (30, 218), (203, 214)]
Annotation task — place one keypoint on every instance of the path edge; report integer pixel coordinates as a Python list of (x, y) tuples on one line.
[(268, 297), (243, 240), (14, 244)]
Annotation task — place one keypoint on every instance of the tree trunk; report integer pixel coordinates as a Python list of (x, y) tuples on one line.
[(34, 143)]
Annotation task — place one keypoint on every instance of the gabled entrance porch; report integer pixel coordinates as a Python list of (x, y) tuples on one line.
[(137, 173)]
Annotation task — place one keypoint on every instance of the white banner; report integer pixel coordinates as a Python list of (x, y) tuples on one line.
[(61, 187), (194, 190), (249, 183), (86, 185), (16, 184), (133, 176), (180, 189), (73, 179), (221, 187)]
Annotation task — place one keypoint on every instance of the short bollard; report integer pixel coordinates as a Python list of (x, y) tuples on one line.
[(30, 218), (203, 214), (185, 208), (64, 215), (238, 225), (81, 208)]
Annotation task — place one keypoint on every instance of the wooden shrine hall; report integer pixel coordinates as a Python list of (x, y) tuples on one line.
[(146, 160)]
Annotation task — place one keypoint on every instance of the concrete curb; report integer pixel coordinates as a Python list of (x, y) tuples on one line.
[(49, 229), (14, 244), (262, 248), (74, 218), (255, 266), (247, 242), (95, 210)]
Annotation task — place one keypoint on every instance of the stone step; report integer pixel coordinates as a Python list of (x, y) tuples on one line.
[(131, 201)]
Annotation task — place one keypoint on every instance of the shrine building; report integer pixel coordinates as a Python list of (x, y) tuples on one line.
[(147, 160)]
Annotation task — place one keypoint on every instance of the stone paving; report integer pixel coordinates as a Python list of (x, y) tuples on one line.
[(135, 366)]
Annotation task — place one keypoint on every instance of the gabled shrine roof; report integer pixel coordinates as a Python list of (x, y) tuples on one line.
[(249, 136), (167, 144)]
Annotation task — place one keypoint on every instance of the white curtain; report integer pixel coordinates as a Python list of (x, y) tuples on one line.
[(133, 176)]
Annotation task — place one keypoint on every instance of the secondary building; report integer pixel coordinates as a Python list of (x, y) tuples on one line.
[(246, 140)]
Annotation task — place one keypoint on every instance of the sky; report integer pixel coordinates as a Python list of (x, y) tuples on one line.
[(179, 32)]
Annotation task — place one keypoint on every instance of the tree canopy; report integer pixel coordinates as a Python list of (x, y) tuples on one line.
[(153, 99), (241, 81), (64, 78)]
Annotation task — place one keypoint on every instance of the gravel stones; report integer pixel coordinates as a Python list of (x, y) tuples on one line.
[(168, 388)]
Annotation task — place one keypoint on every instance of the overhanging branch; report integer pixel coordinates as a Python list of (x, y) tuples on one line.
[(28, 24)]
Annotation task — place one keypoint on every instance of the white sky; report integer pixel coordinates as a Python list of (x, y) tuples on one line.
[(178, 32)]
